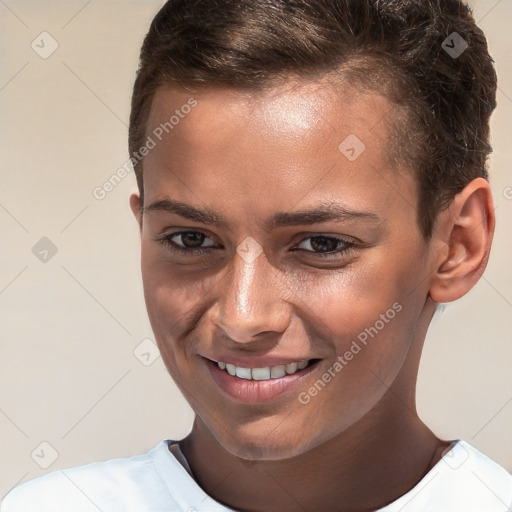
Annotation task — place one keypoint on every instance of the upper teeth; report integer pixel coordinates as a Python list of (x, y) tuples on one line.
[(270, 372)]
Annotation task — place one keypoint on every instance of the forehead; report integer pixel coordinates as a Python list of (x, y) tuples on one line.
[(273, 146), (289, 109)]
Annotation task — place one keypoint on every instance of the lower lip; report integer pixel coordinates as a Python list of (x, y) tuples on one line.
[(256, 391)]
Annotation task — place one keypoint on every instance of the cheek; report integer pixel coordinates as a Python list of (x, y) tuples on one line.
[(171, 302), (341, 304), (368, 319), (362, 318), (177, 301)]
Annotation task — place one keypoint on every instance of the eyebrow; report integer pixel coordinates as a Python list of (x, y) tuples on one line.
[(323, 213)]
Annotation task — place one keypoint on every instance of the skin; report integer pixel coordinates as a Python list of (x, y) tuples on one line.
[(359, 443)]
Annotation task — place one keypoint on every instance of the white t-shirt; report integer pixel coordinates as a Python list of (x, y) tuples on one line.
[(464, 480)]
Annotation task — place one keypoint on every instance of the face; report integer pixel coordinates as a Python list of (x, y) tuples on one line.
[(276, 234)]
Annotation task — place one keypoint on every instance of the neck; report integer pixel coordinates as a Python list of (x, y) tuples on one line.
[(366, 467)]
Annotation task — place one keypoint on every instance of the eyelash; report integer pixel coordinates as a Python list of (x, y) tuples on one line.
[(166, 241)]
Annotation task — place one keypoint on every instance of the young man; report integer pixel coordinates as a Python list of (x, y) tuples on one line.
[(311, 184)]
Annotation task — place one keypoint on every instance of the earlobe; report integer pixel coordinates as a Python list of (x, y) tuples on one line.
[(135, 206), (464, 233)]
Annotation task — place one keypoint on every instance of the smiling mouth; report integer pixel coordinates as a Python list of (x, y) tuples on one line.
[(262, 384), (264, 373)]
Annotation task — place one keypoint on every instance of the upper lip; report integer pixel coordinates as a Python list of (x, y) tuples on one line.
[(248, 361)]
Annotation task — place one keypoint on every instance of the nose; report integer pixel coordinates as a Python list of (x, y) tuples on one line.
[(252, 299)]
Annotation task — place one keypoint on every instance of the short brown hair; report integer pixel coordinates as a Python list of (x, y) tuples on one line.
[(250, 43)]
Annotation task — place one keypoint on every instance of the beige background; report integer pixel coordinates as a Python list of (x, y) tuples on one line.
[(69, 327)]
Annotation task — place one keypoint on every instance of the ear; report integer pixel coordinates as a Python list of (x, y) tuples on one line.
[(464, 234), (135, 206)]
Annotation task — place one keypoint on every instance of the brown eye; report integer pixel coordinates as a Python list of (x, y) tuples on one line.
[(326, 246), (190, 239), (186, 242)]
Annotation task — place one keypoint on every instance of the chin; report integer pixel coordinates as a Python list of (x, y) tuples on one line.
[(262, 451), (256, 445)]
